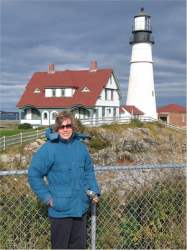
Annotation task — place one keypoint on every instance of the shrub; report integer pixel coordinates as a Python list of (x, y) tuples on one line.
[(25, 126), (136, 123), (97, 142), (79, 126)]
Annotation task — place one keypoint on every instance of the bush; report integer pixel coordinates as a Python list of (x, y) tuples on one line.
[(25, 126), (97, 142), (79, 126), (136, 123)]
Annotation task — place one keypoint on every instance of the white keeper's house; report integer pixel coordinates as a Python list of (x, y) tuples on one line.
[(89, 94)]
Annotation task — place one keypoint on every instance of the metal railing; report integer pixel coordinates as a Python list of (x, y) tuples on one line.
[(20, 138), (141, 207)]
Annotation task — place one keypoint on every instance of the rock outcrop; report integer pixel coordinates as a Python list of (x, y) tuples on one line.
[(118, 146)]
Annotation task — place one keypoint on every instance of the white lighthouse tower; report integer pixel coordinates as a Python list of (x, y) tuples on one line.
[(141, 92)]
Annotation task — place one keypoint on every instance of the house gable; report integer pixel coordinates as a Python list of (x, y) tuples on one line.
[(109, 95)]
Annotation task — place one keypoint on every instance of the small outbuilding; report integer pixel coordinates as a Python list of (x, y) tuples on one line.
[(173, 114)]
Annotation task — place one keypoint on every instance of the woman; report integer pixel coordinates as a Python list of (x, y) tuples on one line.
[(66, 163)]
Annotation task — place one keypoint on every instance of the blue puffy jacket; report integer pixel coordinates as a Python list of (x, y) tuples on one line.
[(69, 172)]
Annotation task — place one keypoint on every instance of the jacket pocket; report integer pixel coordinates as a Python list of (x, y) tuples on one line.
[(61, 203)]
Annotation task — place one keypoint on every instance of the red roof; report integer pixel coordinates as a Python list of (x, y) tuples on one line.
[(172, 108), (131, 109), (94, 81)]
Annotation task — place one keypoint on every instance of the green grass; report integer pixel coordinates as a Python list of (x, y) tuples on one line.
[(9, 132), (16, 130)]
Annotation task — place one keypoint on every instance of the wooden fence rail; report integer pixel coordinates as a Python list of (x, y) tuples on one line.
[(23, 137), (20, 138)]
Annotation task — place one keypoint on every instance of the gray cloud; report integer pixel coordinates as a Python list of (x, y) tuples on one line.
[(72, 33)]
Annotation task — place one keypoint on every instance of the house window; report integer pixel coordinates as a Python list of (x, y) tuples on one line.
[(53, 92), (45, 116), (163, 118), (95, 112), (37, 91), (109, 94), (112, 95), (114, 111), (105, 94), (48, 92), (109, 110), (59, 92), (68, 92), (53, 115), (103, 111), (62, 92), (85, 89)]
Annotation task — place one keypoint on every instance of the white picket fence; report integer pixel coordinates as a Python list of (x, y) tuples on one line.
[(124, 120), (23, 137)]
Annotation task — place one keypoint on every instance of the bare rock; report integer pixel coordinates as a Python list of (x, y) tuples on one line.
[(34, 146)]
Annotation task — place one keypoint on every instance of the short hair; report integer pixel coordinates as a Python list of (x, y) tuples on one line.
[(62, 116)]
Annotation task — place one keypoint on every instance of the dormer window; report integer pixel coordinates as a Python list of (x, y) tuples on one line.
[(37, 91), (53, 92), (85, 89), (62, 92), (59, 92)]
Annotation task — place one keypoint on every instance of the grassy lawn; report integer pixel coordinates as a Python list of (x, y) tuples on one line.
[(9, 132)]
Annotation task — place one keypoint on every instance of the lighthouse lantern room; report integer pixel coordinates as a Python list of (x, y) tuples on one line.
[(141, 92)]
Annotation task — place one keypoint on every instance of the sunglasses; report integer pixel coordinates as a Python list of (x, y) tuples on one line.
[(65, 126)]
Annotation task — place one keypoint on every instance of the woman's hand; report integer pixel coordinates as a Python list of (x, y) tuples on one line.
[(95, 200), (50, 203)]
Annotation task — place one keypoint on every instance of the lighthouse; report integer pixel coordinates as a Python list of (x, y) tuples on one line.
[(141, 91)]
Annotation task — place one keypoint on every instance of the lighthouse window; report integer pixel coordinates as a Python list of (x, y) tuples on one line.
[(140, 23), (148, 26)]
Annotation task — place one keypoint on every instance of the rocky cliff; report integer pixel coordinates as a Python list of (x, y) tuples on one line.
[(117, 145)]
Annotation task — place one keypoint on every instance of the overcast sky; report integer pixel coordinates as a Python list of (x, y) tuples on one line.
[(70, 34)]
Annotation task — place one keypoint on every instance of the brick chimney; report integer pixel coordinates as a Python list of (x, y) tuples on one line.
[(93, 66), (51, 68)]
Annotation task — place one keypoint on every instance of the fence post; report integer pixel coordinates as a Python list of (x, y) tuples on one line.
[(4, 142), (21, 138), (93, 226)]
